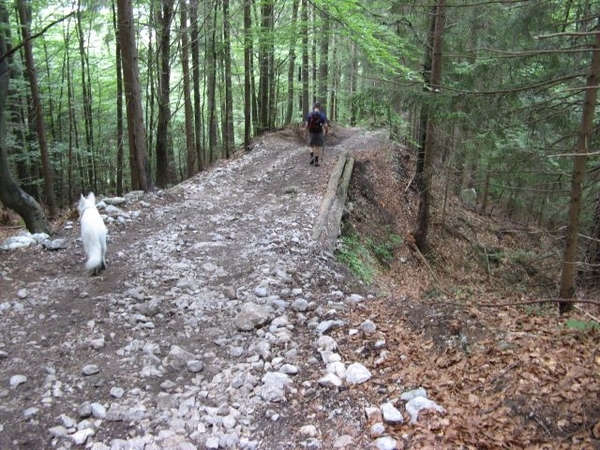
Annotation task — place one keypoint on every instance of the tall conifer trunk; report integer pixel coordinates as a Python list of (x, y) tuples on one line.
[(11, 195), (567, 280), (428, 145), (229, 132), (133, 97), (25, 18), (248, 110), (163, 162), (187, 96)]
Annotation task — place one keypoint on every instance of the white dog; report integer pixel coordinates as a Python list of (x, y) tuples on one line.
[(93, 234)]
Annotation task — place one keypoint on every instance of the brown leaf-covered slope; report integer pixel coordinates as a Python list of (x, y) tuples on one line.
[(509, 377)]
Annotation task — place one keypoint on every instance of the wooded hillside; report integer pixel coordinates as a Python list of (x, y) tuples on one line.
[(497, 99)]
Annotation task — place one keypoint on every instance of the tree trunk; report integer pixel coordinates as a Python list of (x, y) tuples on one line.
[(323, 79), (119, 79), (334, 83), (27, 167), (133, 97), (164, 95), (73, 157), (229, 132), (24, 17), (264, 52), (150, 85), (248, 45), (594, 250), (86, 96), (326, 228), (424, 112), (421, 230), (211, 82), (289, 111), (196, 82), (353, 84), (187, 98), (247, 73), (11, 195), (304, 71), (567, 280)]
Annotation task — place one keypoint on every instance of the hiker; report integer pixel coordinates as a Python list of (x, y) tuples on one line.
[(317, 126)]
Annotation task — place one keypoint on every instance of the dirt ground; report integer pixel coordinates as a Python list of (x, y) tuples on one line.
[(508, 376)]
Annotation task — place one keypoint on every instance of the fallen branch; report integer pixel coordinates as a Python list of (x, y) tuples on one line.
[(533, 302), (17, 47), (500, 375), (500, 305), (424, 261), (594, 318)]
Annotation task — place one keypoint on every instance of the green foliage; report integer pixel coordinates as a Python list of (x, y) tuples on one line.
[(540, 310), (365, 254), (582, 324), (357, 258), (522, 257), (433, 293), (384, 249)]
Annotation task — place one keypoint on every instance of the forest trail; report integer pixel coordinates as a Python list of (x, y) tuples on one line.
[(155, 353), (220, 323)]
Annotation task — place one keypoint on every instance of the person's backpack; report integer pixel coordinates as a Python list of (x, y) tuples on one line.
[(315, 122)]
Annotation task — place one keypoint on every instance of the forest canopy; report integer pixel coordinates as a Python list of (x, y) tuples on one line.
[(494, 96)]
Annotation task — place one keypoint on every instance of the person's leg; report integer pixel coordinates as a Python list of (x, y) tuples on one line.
[(311, 145), (318, 151)]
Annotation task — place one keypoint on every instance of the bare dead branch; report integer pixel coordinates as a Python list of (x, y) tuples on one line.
[(534, 302), (17, 47)]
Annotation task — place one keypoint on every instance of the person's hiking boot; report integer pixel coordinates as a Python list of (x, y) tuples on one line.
[(312, 158), (317, 161)]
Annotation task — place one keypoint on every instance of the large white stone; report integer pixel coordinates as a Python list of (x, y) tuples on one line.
[(357, 374)]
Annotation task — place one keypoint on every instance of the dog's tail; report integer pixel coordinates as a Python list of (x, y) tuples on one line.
[(96, 262)]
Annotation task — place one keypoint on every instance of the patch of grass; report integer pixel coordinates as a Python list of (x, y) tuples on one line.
[(384, 250), (524, 259), (357, 258), (363, 254), (582, 324), (461, 293), (433, 293), (540, 310)]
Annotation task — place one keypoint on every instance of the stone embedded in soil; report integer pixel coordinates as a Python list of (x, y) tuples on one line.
[(356, 373), (409, 395), (330, 380), (416, 404), (90, 369), (326, 343), (309, 430), (368, 327), (327, 325), (274, 386), (386, 443), (17, 380), (252, 316), (80, 437), (377, 430), (391, 414)]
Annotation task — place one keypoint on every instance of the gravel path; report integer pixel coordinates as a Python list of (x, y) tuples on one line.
[(208, 330)]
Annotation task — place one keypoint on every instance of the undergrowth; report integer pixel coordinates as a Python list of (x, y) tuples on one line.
[(364, 255)]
